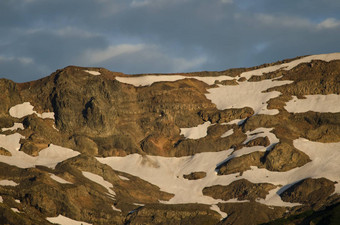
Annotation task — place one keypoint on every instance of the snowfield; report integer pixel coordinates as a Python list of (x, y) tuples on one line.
[(167, 173), (315, 103), (246, 94)]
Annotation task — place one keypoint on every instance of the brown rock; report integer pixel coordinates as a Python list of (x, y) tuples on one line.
[(259, 141), (284, 157), (85, 145), (173, 214), (241, 164), (195, 175), (227, 82), (240, 189), (4, 152), (309, 191), (33, 145), (250, 213), (227, 115)]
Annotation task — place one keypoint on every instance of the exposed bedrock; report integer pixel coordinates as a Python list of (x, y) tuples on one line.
[(240, 189), (173, 214), (195, 175), (313, 192), (282, 157), (250, 213)]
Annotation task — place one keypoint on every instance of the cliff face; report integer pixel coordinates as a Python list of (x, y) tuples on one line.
[(102, 147)]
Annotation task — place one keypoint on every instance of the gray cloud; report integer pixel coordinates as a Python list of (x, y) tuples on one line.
[(141, 36)]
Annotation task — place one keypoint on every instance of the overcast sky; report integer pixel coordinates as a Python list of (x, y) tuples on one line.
[(38, 37)]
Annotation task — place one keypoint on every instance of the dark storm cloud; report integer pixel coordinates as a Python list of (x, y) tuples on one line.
[(137, 36)]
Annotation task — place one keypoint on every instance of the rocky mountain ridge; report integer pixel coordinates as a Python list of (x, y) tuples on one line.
[(241, 146)]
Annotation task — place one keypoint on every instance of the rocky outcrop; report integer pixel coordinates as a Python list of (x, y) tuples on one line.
[(173, 214), (241, 164), (195, 175), (309, 191), (259, 141), (282, 157), (250, 213), (4, 152), (227, 115), (241, 190)]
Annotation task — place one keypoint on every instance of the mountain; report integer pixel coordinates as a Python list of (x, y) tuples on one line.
[(240, 146)]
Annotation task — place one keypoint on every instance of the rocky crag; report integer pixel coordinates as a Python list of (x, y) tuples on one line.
[(240, 146)]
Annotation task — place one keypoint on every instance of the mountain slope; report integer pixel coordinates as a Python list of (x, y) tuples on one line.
[(241, 146)]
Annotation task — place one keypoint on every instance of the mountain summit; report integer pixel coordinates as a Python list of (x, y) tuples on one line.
[(240, 146)]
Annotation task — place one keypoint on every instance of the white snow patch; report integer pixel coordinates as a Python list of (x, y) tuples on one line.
[(62, 220), (59, 179), (246, 94), (21, 110), (291, 65), (236, 121), (217, 209), (317, 103), (235, 200), (138, 204), (7, 183), (99, 180), (55, 127), (123, 178), (167, 172), (25, 109), (196, 132), (227, 133), (46, 115), (92, 72), (115, 209), (15, 210), (14, 127), (49, 156), (150, 79)]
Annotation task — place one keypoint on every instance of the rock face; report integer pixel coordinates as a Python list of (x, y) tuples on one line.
[(195, 175), (309, 191), (173, 214), (240, 146), (240, 190), (282, 157)]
